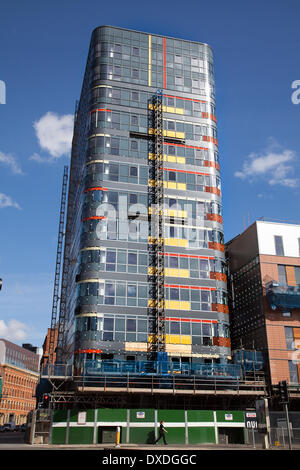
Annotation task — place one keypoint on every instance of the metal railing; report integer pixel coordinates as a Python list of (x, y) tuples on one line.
[(154, 383), (96, 367), (155, 377), (278, 437)]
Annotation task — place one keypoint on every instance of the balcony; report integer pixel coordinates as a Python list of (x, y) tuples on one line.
[(283, 296)]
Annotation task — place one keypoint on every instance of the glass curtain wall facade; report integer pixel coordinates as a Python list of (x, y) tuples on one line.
[(108, 211)]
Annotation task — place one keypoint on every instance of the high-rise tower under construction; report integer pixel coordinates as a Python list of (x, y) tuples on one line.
[(144, 266)]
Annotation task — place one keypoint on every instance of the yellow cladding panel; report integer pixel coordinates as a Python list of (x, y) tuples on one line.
[(173, 339), (173, 185), (170, 109), (170, 158), (177, 305), (185, 339), (173, 159), (176, 242), (169, 133), (170, 184), (173, 272), (177, 339), (178, 135), (176, 213)]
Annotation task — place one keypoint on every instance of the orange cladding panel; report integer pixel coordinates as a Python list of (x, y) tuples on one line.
[(290, 275), (296, 332)]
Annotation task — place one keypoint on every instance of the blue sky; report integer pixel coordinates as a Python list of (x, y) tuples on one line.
[(43, 51)]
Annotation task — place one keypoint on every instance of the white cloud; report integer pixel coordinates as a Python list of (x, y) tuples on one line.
[(26, 298), (14, 330), (10, 161), (54, 134), (6, 201), (272, 165), (37, 158)]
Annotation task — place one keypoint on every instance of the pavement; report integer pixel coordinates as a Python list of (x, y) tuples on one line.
[(14, 441)]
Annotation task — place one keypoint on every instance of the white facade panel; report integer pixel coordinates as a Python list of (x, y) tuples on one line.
[(266, 231), (2, 352)]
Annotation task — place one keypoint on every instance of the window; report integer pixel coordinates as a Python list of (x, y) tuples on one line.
[(110, 261), (178, 81), (134, 120), (131, 290), (108, 324), (174, 294), (278, 245), (135, 73), (133, 199), (133, 171), (171, 125), (172, 152), (289, 336), (281, 274), (175, 327), (297, 274), (132, 258), (133, 145), (293, 367)]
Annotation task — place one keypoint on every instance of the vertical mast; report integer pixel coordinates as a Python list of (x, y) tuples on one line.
[(58, 265), (157, 342)]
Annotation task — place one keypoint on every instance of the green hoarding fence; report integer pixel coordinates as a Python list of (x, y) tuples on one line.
[(140, 426)]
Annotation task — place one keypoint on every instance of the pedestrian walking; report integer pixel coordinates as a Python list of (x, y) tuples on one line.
[(162, 431)]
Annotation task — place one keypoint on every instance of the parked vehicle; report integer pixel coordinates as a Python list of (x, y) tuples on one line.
[(9, 427)]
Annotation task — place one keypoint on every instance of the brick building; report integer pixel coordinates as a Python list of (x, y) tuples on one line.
[(264, 287), (19, 369), (46, 347)]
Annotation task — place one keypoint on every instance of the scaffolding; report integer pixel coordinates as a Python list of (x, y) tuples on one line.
[(283, 296), (63, 292), (157, 337), (58, 265)]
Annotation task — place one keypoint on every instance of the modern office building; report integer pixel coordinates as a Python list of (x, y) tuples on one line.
[(264, 295), (109, 297), (19, 369)]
